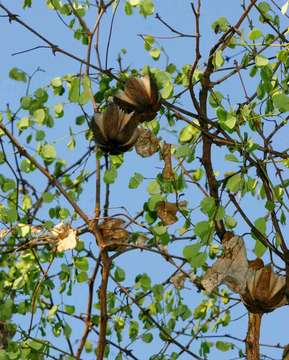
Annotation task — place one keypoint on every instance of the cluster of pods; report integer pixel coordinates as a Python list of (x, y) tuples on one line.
[(116, 130)]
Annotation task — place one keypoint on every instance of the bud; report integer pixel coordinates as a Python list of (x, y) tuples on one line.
[(140, 95), (114, 130)]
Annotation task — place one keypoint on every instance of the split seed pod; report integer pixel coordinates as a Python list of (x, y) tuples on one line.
[(140, 95), (113, 234), (147, 143), (114, 130), (265, 291)]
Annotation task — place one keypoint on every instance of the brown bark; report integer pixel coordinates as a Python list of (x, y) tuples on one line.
[(253, 336), (106, 263)]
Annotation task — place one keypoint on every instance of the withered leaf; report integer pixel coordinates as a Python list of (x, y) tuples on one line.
[(167, 173), (113, 233), (147, 144), (167, 212)]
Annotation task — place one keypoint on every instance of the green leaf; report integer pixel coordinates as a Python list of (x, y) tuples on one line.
[(188, 133), (26, 166), (285, 7), (81, 263), (234, 184), (147, 7), (85, 96), (67, 330), (119, 274), (260, 224), (48, 152), (82, 277), (191, 251), (47, 197), (198, 260), (70, 309), (153, 200), (110, 175), (18, 75), (74, 91), (58, 109), (168, 90), (215, 99), (26, 102), (135, 180), (133, 329), (261, 61), (36, 345), (155, 53), (255, 34), (218, 60), (39, 116), (23, 124), (147, 338), (153, 188), (281, 102), (232, 157), (224, 346), (56, 82), (208, 205)]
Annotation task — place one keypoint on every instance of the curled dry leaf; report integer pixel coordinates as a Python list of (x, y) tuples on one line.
[(261, 290), (114, 130), (63, 236), (179, 280), (167, 212), (113, 234), (167, 173), (147, 143), (140, 95)]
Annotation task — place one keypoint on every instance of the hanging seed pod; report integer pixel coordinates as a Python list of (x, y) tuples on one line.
[(147, 143), (265, 291), (114, 130), (113, 234), (140, 95)]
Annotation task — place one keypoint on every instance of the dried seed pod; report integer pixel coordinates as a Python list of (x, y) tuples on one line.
[(113, 233), (265, 291), (167, 212), (147, 144), (140, 95), (114, 130)]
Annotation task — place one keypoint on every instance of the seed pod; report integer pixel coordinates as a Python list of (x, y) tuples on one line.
[(114, 130), (113, 233), (140, 95), (265, 291), (147, 144)]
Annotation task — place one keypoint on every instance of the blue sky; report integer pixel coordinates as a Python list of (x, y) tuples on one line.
[(180, 51)]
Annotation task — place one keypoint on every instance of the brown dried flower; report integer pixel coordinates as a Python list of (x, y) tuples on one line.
[(114, 130), (140, 95), (265, 291)]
